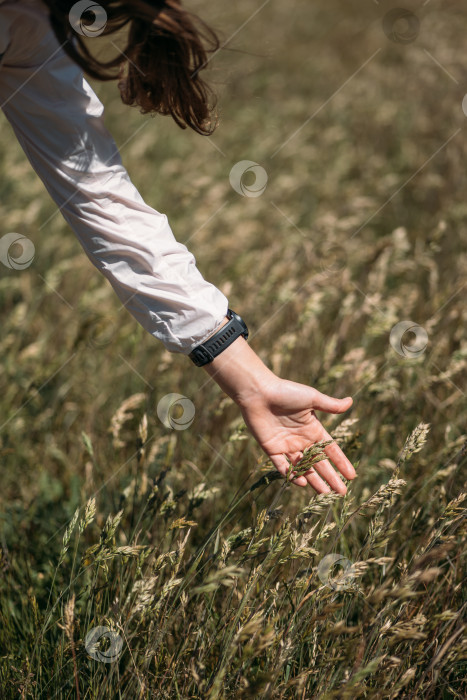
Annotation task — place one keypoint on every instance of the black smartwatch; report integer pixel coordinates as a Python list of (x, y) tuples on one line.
[(207, 351)]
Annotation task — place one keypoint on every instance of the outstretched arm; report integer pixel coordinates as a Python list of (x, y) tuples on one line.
[(59, 122)]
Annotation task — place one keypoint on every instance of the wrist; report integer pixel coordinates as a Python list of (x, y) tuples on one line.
[(223, 323), (240, 372)]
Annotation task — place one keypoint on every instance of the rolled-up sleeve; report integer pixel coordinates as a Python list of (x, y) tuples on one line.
[(58, 121)]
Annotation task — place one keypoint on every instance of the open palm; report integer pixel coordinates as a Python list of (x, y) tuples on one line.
[(282, 420)]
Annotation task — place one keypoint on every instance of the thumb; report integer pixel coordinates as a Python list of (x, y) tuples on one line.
[(323, 402)]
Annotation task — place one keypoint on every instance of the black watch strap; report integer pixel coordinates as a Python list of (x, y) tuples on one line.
[(207, 351)]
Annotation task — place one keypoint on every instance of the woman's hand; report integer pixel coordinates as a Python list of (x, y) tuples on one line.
[(282, 419), (280, 415)]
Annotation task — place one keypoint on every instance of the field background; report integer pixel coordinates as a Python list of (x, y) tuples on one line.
[(209, 577)]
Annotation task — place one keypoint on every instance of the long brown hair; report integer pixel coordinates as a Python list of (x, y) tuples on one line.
[(158, 70)]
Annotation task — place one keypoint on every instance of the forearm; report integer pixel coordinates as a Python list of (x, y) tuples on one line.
[(239, 371)]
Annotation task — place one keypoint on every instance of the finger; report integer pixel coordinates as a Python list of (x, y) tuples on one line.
[(323, 402), (311, 476), (341, 462), (282, 467), (317, 482), (325, 470)]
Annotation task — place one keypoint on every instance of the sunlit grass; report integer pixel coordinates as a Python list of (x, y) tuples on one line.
[(186, 543)]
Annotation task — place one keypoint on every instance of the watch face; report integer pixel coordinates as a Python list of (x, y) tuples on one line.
[(214, 345), (242, 323)]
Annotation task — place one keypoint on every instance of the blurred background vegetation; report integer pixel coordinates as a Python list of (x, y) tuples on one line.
[(363, 224)]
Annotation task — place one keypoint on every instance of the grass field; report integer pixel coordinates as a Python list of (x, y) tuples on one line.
[(212, 578)]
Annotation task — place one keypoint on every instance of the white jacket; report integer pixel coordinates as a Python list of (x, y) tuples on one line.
[(58, 121)]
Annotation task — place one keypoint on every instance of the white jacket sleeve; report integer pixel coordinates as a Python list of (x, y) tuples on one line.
[(58, 121)]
